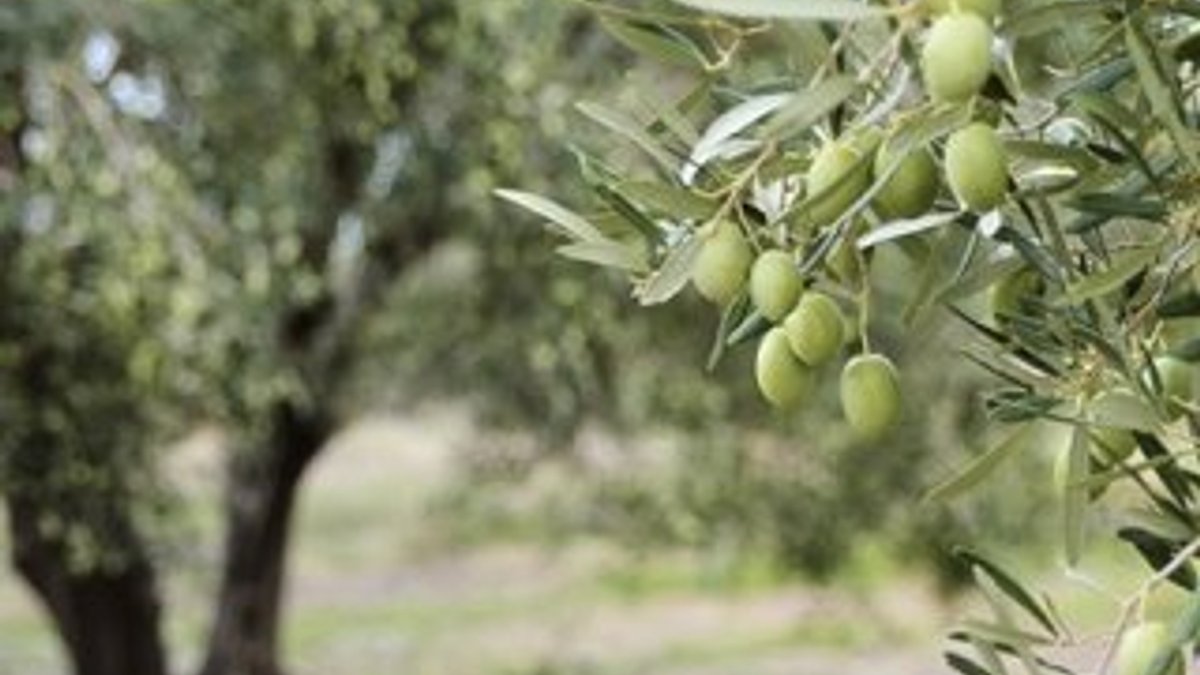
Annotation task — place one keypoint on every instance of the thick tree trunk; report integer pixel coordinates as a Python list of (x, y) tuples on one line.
[(108, 620), (261, 496)]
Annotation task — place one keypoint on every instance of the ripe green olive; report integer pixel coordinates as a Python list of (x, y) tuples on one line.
[(988, 9), (782, 378), (1114, 444), (721, 266), (815, 328), (836, 163), (1175, 376), (1012, 295), (870, 393), (911, 190), (957, 57), (774, 284), (976, 167), (1140, 645)]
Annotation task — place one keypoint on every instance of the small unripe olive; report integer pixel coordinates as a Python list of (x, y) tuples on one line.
[(1114, 444), (1175, 376), (957, 57), (976, 167), (834, 161), (870, 393), (782, 378), (988, 9), (815, 328), (1012, 294), (911, 190), (774, 284), (721, 266), (1140, 645)]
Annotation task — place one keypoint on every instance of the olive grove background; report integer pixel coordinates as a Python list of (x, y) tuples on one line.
[(284, 388)]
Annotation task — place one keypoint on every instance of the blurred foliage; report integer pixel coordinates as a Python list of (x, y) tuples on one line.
[(194, 179)]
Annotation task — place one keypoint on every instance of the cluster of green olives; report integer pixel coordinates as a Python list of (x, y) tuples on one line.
[(808, 332), (956, 61)]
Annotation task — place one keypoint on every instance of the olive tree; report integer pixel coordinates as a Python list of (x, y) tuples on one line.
[(1035, 159), (204, 208)]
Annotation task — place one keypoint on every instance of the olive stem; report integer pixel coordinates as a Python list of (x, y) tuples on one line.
[(864, 301)]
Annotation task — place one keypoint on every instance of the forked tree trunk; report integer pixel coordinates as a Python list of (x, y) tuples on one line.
[(108, 620), (261, 496)]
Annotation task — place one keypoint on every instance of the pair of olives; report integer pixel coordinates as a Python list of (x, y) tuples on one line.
[(838, 177), (956, 61)]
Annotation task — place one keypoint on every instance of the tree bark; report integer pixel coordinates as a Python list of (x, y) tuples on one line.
[(107, 619), (261, 496)]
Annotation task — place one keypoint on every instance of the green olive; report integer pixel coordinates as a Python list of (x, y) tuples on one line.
[(1012, 295), (814, 328), (836, 164), (957, 57), (1175, 376), (721, 266), (911, 190), (988, 9), (1140, 645), (976, 167), (870, 393), (782, 378), (774, 284)]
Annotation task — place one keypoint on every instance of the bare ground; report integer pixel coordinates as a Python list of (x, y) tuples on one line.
[(360, 602)]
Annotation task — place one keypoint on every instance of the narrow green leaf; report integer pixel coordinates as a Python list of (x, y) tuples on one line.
[(1008, 584), (806, 108), (1116, 206), (1161, 93), (655, 41), (898, 229), (730, 318), (1075, 506), (668, 280), (631, 129), (753, 326), (1123, 268), (811, 10), (668, 200), (965, 665), (569, 222), (981, 467), (1158, 552), (729, 124), (605, 254)]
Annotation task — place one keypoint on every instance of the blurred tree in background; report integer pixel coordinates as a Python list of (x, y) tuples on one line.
[(273, 215)]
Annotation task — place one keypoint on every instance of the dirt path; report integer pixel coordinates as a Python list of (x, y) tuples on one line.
[(361, 603)]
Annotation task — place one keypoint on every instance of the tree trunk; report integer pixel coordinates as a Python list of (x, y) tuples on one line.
[(261, 496), (108, 620)]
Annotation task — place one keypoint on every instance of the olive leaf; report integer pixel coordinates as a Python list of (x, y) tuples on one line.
[(812, 10)]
